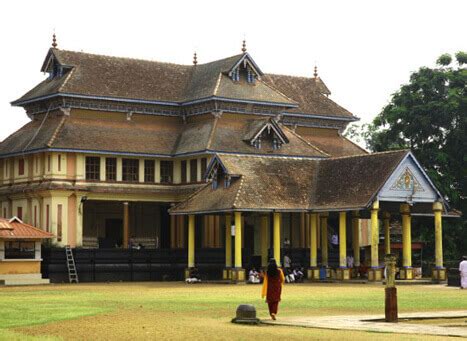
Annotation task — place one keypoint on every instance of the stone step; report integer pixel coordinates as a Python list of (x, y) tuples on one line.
[(24, 281), (20, 276)]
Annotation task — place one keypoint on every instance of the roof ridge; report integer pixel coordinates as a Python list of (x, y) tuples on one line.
[(57, 130), (211, 134), (369, 154), (191, 196), (238, 191), (279, 92), (218, 83), (68, 76), (307, 142), (355, 144)]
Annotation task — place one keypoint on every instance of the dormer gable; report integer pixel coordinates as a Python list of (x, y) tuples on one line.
[(219, 175), (245, 68), (265, 131), (53, 67)]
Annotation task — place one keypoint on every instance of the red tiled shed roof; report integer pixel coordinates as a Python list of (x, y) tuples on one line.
[(14, 228)]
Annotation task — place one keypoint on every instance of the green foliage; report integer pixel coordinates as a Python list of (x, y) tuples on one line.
[(429, 116)]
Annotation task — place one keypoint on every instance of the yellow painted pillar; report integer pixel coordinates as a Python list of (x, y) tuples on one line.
[(228, 241), (342, 240), (406, 237), (313, 240), (356, 237), (437, 209), (277, 238), (264, 241), (238, 240), (374, 235), (126, 225), (191, 241), (324, 239), (387, 233)]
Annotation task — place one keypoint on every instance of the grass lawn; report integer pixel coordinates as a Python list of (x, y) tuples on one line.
[(202, 311)]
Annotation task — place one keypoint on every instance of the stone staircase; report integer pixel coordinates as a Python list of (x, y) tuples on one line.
[(23, 279)]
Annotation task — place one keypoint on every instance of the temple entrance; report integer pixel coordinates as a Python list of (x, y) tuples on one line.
[(113, 234)]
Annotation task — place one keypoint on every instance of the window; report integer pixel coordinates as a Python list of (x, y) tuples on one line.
[(19, 250), (21, 167), (37, 164), (59, 222), (19, 212), (193, 170), (93, 167), (130, 170), (35, 215), (183, 171), (47, 218), (48, 163), (59, 162), (111, 169), (204, 164), (167, 171), (149, 170)]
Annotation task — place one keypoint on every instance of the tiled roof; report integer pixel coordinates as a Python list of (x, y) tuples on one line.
[(14, 228), (134, 79), (267, 183)]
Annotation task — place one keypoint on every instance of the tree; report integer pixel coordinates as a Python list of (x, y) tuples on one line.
[(428, 115)]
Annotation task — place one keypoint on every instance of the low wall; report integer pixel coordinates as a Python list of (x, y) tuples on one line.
[(19, 266)]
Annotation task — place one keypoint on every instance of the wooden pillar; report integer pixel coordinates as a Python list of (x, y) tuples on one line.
[(387, 233), (356, 237), (277, 238), (324, 239), (238, 240), (228, 241), (406, 272), (313, 240), (264, 240), (191, 241), (302, 230), (126, 224)]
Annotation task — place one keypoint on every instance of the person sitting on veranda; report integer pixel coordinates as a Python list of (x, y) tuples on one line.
[(253, 276), (298, 275), (289, 275), (193, 276), (363, 270), (463, 272)]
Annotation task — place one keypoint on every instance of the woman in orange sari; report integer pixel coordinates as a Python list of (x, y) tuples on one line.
[(272, 287)]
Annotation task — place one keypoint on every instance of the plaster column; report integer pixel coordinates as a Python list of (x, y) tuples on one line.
[(313, 271), (387, 233), (238, 273), (277, 238), (228, 247), (439, 272), (342, 273), (126, 224), (264, 240), (406, 272), (375, 273)]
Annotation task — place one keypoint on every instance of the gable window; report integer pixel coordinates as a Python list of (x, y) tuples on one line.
[(250, 76), (183, 170), (93, 167), (21, 167), (193, 170), (111, 169), (149, 170), (236, 74), (167, 169), (130, 170)]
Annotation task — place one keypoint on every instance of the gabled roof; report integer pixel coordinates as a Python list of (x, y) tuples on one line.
[(125, 79), (14, 228), (269, 183), (256, 127)]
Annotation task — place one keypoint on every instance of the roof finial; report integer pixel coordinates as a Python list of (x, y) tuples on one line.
[(244, 46), (195, 59), (315, 73), (54, 41)]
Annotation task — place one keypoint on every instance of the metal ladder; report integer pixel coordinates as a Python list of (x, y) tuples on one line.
[(70, 263)]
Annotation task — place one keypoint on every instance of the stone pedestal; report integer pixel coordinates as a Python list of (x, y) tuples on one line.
[(406, 273), (375, 274), (227, 273), (438, 274), (238, 275), (187, 272), (342, 274), (313, 274)]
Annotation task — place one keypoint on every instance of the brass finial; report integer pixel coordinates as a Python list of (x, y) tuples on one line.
[(316, 72), (244, 46), (195, 59), (54, 41)]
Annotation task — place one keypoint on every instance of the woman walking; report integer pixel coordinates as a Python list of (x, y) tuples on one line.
[(272, 287)]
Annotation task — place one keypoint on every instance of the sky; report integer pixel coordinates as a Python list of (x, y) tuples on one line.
[(364, 50)]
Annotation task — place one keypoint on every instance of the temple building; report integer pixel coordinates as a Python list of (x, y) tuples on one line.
[(212, 165)]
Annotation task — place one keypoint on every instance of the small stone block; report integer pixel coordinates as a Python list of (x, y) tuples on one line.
[(342, 274), (313, 273), (246, 313), (226, 274), (238, 275)]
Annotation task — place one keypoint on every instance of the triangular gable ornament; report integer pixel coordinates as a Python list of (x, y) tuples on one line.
[(407, 182)]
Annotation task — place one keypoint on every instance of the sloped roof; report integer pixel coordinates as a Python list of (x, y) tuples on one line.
[(134, 79), (267, 183), (14, 228)]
